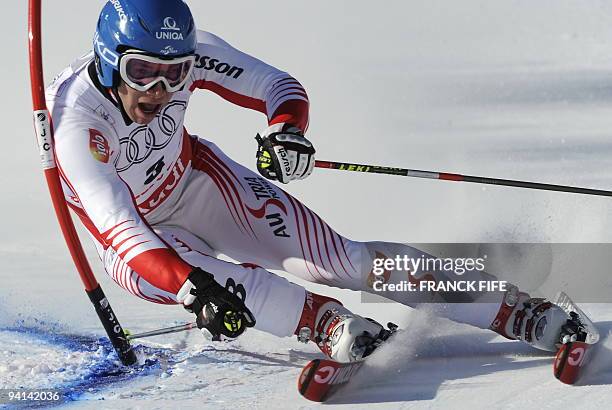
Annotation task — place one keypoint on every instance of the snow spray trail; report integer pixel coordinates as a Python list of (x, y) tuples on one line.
[(430, 352), (599, 369), (41, 356)]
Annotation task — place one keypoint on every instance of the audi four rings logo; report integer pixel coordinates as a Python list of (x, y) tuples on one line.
[(143, 140)]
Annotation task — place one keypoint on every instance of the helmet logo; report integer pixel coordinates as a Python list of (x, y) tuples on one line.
[(107, 55), (168, 50), (119, 10), (170, 31), (170, 24)]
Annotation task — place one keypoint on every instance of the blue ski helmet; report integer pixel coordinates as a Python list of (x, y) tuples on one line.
[(163, 28)]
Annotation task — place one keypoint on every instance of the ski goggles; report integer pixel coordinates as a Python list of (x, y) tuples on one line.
[(142, 72)]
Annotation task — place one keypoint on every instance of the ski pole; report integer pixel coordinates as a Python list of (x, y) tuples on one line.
[(44, 135), (173, 329), (415, 173)]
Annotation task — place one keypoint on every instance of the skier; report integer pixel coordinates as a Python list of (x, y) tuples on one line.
[(162, 203)]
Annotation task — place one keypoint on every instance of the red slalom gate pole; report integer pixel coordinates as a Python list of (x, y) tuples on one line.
[(44, 135), (415, 173)]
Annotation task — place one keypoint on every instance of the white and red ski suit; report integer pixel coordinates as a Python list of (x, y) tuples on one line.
[(159, 201)]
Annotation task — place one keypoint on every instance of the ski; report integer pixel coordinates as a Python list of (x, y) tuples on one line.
[(321, 378), (572, 357)]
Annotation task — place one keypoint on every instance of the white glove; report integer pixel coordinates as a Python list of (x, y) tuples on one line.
[(284, 154)]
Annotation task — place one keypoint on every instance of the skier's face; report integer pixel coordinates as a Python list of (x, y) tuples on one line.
[(143, 106)]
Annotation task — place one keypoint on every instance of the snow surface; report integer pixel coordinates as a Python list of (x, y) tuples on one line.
[(511, 89)]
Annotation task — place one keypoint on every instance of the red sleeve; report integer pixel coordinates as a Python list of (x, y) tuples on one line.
[(105, 203), (290, 105), (294, 112), (161, 267)]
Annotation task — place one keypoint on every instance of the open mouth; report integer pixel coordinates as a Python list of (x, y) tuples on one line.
[(148, 108)]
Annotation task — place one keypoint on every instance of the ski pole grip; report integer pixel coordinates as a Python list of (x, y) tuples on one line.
[(113, 329)]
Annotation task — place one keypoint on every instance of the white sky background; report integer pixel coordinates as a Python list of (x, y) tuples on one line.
[(509, 89)]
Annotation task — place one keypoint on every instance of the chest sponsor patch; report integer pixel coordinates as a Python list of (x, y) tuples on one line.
[(98, 145)]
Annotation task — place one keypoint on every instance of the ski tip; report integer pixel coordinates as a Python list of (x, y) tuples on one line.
[(569, 361), (305, 379), (322, 378)]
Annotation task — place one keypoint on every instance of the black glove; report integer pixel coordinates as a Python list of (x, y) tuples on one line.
[(220, 311), (284, 154)]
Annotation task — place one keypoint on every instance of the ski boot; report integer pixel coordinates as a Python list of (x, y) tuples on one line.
[(536, 321), (340, 334)]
